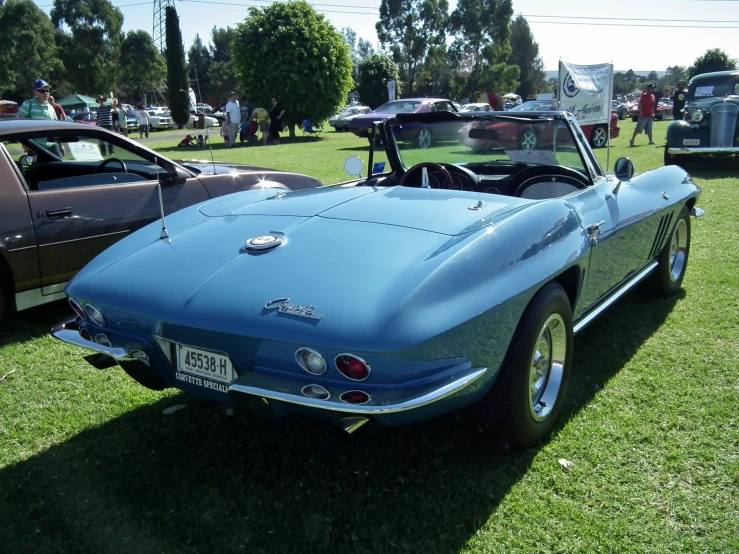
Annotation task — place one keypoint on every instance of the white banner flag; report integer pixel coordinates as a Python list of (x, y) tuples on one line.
[(391, 90), (586, 91)]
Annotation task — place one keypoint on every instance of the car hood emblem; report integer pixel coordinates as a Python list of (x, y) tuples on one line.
[(265, 242), (283, 306)]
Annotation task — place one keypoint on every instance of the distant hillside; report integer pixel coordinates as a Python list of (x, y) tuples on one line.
[(553, 74)]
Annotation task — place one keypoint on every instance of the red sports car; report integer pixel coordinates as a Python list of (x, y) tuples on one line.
[(522, 137)]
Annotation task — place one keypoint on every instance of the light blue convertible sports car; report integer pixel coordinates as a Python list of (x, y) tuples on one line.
[(459, 276)]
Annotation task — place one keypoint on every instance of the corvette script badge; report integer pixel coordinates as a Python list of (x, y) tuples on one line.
[(283, 306)]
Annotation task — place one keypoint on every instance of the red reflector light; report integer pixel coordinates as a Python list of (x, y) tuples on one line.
[(85, 334), (352, 367), (355, 397), (77, 308)]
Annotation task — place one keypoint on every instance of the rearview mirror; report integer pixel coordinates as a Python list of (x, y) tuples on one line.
[(483, 133), (353, 166), (624, 169)]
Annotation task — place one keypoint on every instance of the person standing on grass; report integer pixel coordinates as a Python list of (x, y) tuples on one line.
[(122, 115), (678, 100), (105, 120), (142, 116), (233, 118), (262, 117), (39, 107), (647, 104), (276, 113)]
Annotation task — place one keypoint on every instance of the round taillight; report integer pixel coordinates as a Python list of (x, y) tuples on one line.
[(316, 391), (77, 308), (85, 334), (311, 361), (352, 367), (95, 315), (355, 397)]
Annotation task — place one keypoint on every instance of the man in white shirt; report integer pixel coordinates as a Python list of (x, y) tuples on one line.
[(144, 121), (233, 118)]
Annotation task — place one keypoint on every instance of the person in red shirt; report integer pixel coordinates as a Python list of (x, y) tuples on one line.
[(647, 103)]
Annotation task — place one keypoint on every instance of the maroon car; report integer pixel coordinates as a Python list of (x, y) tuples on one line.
[(67, 192)]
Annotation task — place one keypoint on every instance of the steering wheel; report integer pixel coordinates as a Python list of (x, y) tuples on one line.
[(106, 162), (537, 173), (447, 184)]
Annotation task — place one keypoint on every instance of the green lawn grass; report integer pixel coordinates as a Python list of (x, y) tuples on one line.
[(92, 462)]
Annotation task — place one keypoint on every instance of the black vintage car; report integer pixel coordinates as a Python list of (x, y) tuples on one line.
[(710, 126)]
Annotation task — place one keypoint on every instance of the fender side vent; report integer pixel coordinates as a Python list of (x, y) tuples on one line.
[(659, 239)]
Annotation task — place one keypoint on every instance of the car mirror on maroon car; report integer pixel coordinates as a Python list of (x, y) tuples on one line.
[(353, 166), (624, 169)]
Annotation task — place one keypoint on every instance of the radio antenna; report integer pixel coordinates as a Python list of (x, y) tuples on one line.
[(207, 135), (164, 234)]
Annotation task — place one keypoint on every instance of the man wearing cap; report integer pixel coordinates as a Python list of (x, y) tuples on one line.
[(647, 103), (39, 106)]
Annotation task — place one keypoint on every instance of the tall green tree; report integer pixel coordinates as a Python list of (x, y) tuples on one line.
[(525, 54), (673, 74), (27, 51), (289, 52), (142, 67), (198, 65), (178, 84), (714, 59), (437, 73), (89, 40), (373, 75), (222, 75), (482, 31), (408, 28)]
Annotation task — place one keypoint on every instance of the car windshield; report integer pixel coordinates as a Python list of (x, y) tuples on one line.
[(399, 106), (720, 87), (533, 107), (480, 140)]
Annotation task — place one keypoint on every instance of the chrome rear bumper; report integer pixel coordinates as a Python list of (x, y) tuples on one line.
[(704, 150)]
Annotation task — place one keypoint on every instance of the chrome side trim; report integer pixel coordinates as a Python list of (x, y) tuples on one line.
[(429, 398), (631, 283), (53, 289), (85, 238), (36, 297), (702, 150)]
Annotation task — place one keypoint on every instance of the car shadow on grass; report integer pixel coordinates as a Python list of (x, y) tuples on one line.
[(201, 480)]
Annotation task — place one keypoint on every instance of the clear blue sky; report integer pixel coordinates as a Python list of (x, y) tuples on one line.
[(569, 29)]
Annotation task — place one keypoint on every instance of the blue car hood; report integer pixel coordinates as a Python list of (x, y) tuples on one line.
[(436, 211)]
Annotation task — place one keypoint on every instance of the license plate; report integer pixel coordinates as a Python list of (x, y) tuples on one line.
[(691, 142), (369, 131), (206, 364)]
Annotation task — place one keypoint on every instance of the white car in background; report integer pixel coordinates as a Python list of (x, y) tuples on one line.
[(209, 121), (476, 107), (160, 120)]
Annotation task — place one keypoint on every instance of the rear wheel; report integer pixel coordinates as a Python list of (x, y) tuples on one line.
[(528, 140), (599, 138), (672, 261), (423, 138), (533, 382)]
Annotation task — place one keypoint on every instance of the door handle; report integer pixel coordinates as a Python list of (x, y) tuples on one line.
[(59, 214)]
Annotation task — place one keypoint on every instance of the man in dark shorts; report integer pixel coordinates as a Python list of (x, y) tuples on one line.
[(678, 100), (647, 104)]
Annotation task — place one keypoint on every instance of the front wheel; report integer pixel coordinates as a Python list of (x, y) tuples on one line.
[(536, 371), (672, 261), (599, 138)]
